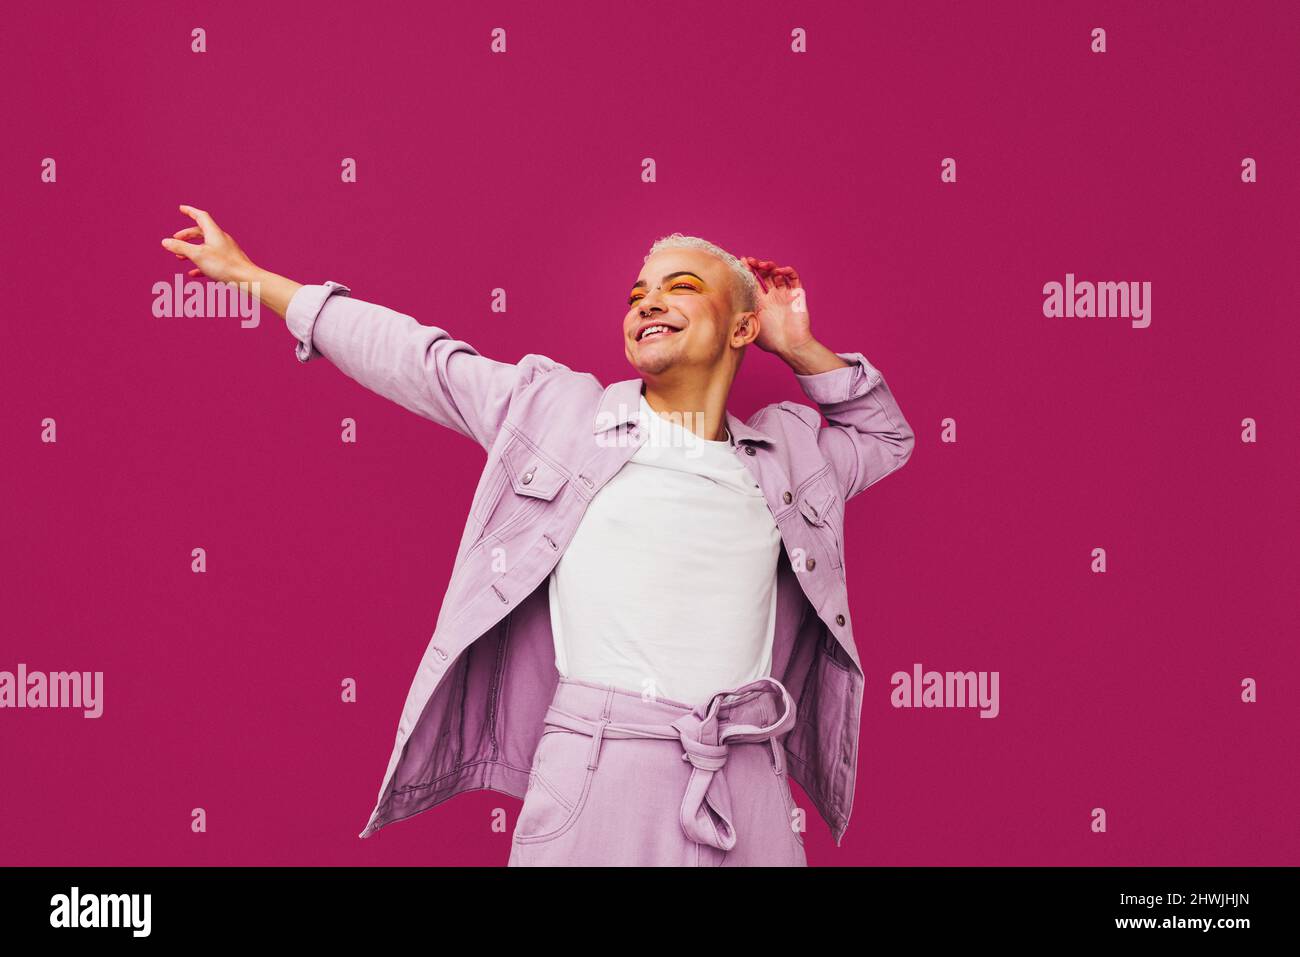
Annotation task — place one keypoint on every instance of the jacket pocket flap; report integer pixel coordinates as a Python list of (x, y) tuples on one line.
[(532, 475), (816, 502)]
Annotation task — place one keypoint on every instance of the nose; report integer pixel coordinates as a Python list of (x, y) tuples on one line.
[(650, 302)]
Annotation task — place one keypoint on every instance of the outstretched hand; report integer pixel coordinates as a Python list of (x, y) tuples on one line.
[(783, 322), (216, 255), (219, 257)]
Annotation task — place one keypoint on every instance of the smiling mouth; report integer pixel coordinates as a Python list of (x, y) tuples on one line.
[(656, 332)]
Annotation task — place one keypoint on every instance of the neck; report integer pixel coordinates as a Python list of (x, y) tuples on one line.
[(699, 407)]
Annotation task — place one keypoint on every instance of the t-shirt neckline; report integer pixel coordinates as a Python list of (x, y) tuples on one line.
[(728, 442)]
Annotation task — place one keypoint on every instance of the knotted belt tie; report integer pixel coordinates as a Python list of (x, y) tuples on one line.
[(706, 815)]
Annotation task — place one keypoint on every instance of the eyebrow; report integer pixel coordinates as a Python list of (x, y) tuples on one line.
[(671, 275)]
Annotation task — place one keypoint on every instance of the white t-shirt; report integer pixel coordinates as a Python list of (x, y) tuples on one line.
[(669, 583)]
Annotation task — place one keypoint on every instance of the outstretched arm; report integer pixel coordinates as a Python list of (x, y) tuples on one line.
[(867, 437), (422, 368)]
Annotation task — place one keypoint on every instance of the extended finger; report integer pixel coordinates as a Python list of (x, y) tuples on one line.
[(202, 218), (176, 246), (189, 232)]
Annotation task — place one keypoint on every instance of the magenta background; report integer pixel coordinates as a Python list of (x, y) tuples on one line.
[(522, 171)]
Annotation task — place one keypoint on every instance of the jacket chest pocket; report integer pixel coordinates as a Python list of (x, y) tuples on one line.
[(531, 475), (817, 504), (526, 484)]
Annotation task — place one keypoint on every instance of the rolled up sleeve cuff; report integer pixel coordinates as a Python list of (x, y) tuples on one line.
[(303, 311), (840, 385)]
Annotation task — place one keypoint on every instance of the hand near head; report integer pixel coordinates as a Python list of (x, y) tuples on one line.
[(783, 322), (215, 254)]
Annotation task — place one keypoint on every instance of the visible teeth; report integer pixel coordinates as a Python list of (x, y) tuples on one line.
[(654, 329)]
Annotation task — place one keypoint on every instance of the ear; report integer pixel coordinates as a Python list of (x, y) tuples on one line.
[(746, 330)]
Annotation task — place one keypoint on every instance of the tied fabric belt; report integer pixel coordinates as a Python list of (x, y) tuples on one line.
[(706, 815)]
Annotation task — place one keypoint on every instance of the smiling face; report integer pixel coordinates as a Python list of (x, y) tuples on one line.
[(689, 294)]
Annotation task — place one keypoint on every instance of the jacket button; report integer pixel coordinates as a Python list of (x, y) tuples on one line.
[(786, 497), (810, 565), (528, 476), (749, 450), (839, 619)]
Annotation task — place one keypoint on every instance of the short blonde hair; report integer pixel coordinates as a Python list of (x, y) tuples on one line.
[(744, 286)]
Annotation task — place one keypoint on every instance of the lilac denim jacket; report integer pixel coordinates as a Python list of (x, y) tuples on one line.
[(554, 437)]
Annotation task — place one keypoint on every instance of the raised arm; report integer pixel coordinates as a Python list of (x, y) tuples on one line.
[(867, 437), (422, 368)]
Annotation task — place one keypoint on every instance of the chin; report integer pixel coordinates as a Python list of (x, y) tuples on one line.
[(652, 365)]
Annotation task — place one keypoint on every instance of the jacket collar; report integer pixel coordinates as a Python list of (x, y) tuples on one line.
[(621, 404)]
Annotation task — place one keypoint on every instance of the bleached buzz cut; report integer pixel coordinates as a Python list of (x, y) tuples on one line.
[(744, 288)]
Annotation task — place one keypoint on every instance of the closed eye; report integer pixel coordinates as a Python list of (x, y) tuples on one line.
[(638, 295)]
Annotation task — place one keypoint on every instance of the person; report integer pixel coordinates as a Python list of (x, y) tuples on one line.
[(646, 632)]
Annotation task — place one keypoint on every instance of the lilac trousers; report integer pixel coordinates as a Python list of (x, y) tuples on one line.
[(621, 781)]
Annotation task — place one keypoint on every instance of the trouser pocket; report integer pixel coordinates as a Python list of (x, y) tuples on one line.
[(558, 786), (793, 820)]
